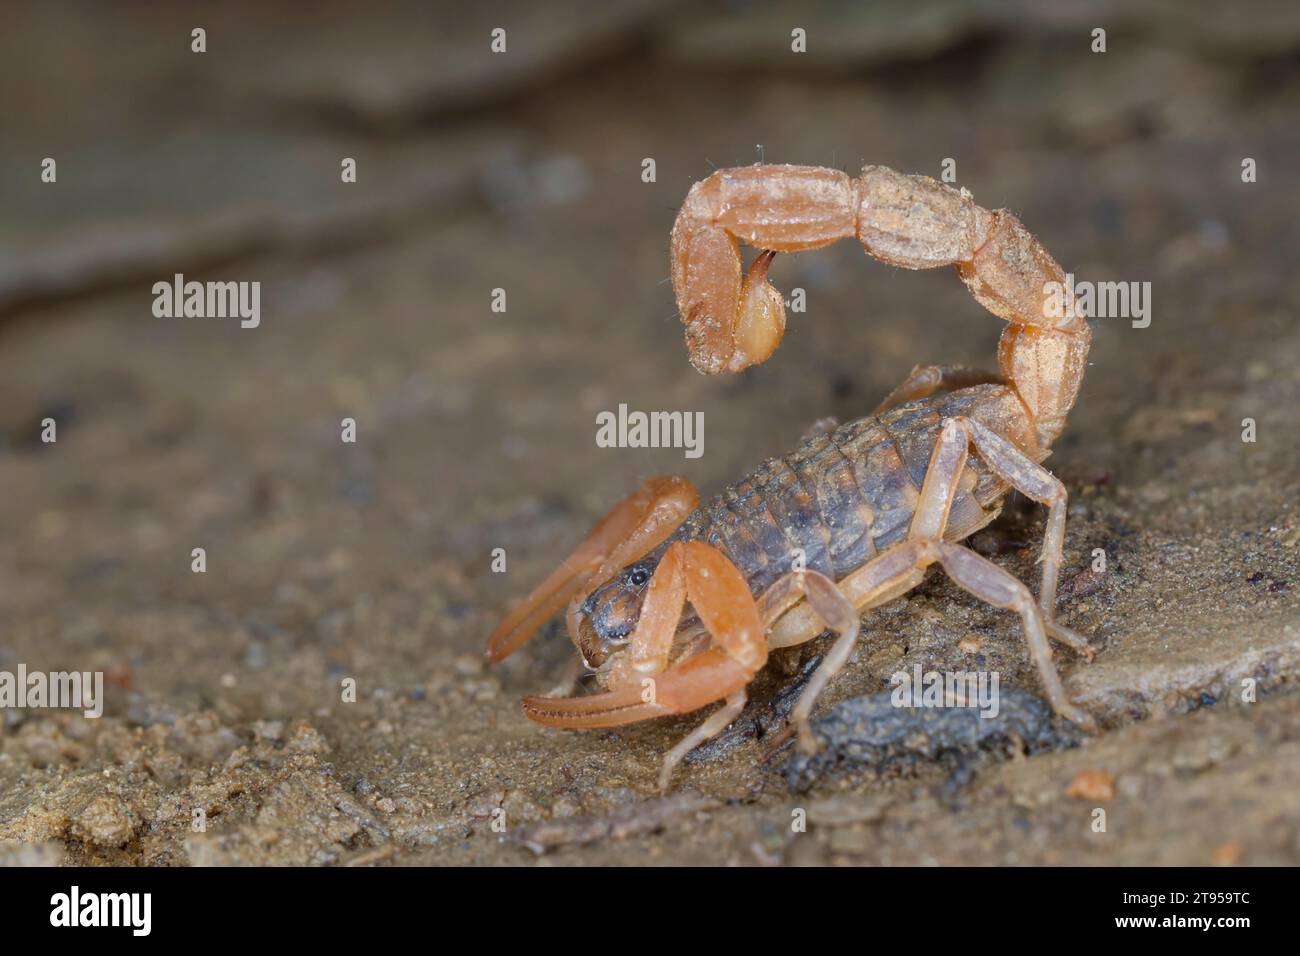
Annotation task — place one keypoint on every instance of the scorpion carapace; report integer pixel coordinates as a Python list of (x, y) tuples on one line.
[(853, 517)]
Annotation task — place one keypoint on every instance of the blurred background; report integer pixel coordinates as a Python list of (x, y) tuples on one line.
[(522, 171)]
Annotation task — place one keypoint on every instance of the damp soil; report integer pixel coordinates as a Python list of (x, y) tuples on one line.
[(228, 735)]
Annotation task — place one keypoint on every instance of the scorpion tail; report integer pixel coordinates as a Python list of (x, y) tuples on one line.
[(912, 222)]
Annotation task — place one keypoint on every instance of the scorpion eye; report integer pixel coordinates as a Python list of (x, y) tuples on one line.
[(639, 577)]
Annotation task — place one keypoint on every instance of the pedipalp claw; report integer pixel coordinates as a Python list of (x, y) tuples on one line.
[(610, 709), (688, 685)]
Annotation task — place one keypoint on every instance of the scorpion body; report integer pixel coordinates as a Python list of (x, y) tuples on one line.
[(854, 516), (839, 499)]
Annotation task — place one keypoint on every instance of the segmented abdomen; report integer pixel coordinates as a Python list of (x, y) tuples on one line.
[(844, 496)]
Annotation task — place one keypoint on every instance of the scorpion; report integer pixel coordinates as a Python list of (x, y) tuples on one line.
[(853, 517)]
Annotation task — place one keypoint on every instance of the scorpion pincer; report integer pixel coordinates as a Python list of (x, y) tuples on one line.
[(854, 516)]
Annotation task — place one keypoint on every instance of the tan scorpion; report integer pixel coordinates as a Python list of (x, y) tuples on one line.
[(855, 515)]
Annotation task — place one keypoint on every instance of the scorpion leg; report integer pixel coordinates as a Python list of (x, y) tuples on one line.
[(988, 582), (834, 610), (716, 723), (888, 575), (702, 574), (976, 574), (634, 528), (1031, 479), (1021, 472), (980, 576), (900, 568), (1037, 483)]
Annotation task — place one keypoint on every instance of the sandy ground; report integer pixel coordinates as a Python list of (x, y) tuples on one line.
[(329, 561)]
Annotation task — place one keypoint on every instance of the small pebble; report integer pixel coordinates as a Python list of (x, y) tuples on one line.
[(1092, 785), (470, 665)]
